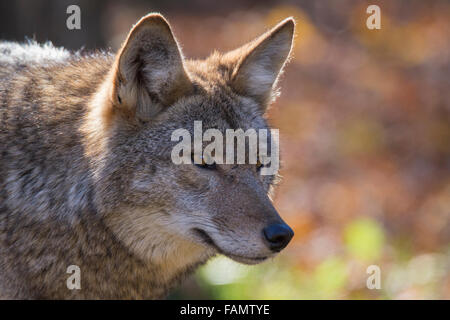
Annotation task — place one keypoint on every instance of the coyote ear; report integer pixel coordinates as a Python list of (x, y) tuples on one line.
[(149, 70), (260, 62)]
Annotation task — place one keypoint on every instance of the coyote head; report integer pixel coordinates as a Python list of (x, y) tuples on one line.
[(181, 212)]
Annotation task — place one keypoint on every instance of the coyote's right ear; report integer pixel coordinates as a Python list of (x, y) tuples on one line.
[(149, 73)]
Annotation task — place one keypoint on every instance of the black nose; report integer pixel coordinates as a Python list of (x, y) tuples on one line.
[(278, 236)]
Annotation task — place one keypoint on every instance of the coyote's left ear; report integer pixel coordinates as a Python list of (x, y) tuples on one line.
[(149, 73), (260, 62)]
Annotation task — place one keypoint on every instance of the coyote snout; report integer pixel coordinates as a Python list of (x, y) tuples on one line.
[(241, 223), (237, 217)]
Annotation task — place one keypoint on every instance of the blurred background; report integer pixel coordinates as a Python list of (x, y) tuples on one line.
[(364, 120)]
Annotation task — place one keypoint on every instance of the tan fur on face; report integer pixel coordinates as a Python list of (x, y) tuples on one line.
[(169, 251)]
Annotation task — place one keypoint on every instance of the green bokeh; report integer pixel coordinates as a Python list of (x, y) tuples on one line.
[(364, 239)]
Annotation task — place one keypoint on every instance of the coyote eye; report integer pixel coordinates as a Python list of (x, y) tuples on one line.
[(202, 163)]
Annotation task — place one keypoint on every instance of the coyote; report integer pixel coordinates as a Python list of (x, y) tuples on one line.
[(86, 177)]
